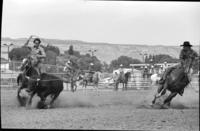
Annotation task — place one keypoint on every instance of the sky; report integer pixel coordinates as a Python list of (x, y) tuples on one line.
[(117, 22)]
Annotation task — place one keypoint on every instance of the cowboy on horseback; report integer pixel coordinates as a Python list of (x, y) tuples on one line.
[(68, 67), (185, 54), (165, 66), (121, 72), (37, 55)]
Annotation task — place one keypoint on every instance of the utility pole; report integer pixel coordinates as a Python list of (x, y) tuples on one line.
[(8, 46), (92, 52), (144, 55)]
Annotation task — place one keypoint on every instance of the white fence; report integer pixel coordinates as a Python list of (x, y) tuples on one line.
[(8, 78)]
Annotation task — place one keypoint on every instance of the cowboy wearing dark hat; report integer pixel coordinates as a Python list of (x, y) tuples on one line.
[(38, 55), (186, 53)]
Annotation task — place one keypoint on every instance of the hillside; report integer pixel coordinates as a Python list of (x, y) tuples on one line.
[(105, 51)]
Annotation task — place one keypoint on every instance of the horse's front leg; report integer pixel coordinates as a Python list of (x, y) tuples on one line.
[(41, 103), (168, 100), (126, 84), (75, 85), (72, 86), (161, 91), (29, 102), (86, 82), (123, 86), (116, 86), (19, 97)]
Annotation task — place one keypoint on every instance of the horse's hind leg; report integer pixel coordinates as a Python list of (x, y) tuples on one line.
[(29, 101), (19, 97), (126, 84), (167, 101), (53, 99), (75, 86), (116, 86)]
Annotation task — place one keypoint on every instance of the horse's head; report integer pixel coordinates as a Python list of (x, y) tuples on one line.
[(26, 63), (27, 66)]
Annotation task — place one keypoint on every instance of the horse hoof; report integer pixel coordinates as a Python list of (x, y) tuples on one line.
[(28, 107), (41, 105), (48, 106), (165, 106)]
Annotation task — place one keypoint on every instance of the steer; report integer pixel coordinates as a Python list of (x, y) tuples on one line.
[(46, 85)]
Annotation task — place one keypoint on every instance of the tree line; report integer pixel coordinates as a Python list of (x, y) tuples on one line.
[(86, 61)]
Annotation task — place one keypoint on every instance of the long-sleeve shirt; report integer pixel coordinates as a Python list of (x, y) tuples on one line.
[(186, 54)]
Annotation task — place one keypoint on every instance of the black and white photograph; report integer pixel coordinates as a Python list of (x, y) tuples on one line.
[(100, 65)]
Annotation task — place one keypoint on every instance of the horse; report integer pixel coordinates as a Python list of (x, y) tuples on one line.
[(71, 77), (43, 85), (91, 78), (22, 81), (122, 78), (145, 73), (175, 82)]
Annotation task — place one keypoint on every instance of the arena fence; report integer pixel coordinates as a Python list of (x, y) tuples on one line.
[(8, 78)]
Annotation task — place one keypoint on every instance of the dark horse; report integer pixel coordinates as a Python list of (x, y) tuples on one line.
[(22, 83), (22, 80), (146, 73), (175, 82), (43, 85), (122, 78)]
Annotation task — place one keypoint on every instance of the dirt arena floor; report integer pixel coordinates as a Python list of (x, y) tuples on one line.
[(103, 109)]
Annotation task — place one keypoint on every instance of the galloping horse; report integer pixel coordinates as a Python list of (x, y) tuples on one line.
[(175, 82), (122, 78), (22, 80)]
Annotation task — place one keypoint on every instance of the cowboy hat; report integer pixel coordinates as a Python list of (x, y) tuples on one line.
[(186, 43)]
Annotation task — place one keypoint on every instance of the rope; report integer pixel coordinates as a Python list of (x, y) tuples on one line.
[(62, 79)]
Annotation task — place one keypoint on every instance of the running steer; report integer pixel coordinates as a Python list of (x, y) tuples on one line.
[(47, 85)]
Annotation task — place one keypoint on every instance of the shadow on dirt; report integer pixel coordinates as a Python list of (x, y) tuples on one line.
[(189, 100)]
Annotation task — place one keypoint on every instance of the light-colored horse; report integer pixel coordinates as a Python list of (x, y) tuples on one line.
[(91, 78)]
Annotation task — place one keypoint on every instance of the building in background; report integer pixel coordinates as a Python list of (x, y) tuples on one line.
[(4, 65)]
